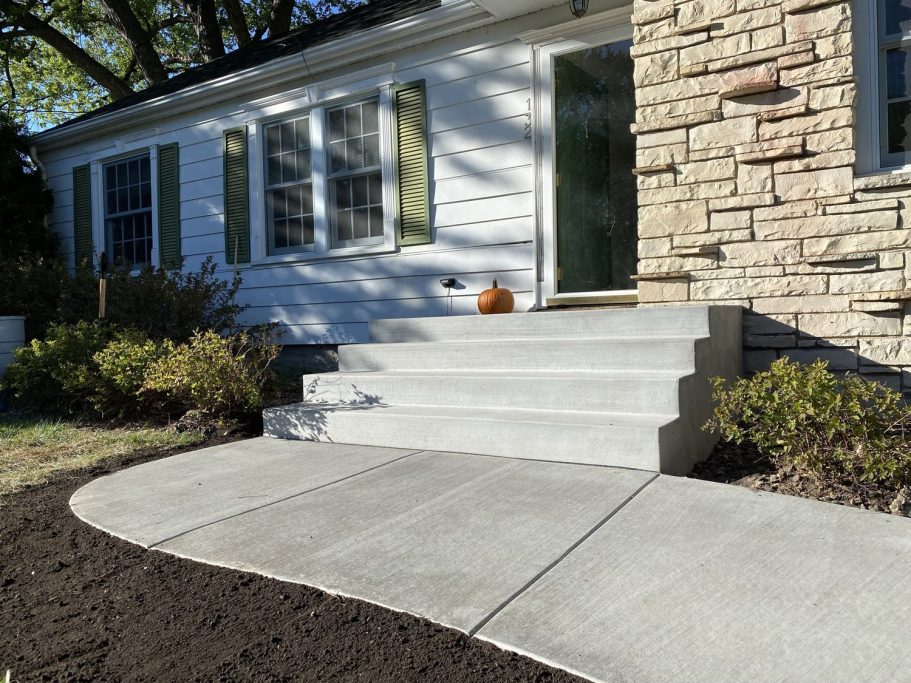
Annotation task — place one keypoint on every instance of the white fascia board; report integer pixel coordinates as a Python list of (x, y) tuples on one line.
[(507, 9), (452, 17)]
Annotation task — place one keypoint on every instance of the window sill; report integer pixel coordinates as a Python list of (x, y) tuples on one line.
[(334, 255), (897, 177)]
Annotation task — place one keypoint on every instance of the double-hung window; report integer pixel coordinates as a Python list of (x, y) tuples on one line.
[(325, 179), (128, 210), (894, 55)]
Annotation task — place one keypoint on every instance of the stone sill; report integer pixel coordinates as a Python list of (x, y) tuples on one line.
[(879, 181)]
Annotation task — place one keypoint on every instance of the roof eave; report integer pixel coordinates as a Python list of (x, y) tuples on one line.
[(452, 17)]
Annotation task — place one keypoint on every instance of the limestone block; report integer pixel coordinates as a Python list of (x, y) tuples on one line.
[(654, 31), (866, 241), (661, 220), (882, 180), (771, 154), (714, 237), (848, 324), (666, 154), (713, 153), (748, 21), (682, 193), (749, 81), (793, 6), (651, 125), (819, 23), (742, 288), (838, 359), (718, 48), (779, 305), (717, 274), (705, 171), (785, 98), (745, 254), (764, 38), (729, 132), (656, 291), (731, 220), (661, 138), (839, 45), (813, 184), (804, 125), (769, 341), (883, 281), (790, 210), (819, 226), (655, 68), (758, 360), (654, 248), (663, 44), (837, 68), (700, 11), (831, 141), (764, 271), (769, 324), (754, 179), (816, 161), (695, 105), (892, 259), (743, 201), (672, 264), (653, 181), (886, 351), (652, 13), (797, 59)]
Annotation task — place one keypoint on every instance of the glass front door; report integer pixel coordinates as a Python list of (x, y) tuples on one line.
[(594, 155)]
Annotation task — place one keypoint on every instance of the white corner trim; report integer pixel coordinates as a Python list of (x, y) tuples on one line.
[(449, 19)]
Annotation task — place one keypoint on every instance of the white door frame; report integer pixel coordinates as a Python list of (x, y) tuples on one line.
[(607, 27)]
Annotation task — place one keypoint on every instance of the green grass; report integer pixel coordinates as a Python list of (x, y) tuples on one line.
[(32, 450)]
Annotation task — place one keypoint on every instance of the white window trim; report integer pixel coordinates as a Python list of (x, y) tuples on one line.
[(96, 166), (374, 82), (870, 77)]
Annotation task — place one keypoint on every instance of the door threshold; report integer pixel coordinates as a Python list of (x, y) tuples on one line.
[(593, 299)]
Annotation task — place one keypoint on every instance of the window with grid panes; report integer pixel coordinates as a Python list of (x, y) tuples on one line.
[(128, 210), (289, 186), (894, 33), (324, 179)]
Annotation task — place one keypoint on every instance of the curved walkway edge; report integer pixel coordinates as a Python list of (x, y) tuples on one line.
[(612, 574)]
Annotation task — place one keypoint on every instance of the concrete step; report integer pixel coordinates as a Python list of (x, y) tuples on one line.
[(565, 355), (632, 392), (693, 321), (647, 442)]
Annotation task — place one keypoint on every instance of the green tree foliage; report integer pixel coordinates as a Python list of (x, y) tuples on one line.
[(62, 57), (24, 199)]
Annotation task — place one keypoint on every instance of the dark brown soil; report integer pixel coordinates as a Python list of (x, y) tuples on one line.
[(79, 605), (746, 466)]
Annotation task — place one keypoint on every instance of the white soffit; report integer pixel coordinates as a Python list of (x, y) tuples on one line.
[(506, 9)]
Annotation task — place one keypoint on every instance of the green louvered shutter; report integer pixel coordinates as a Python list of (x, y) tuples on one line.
[(237, 207), (411, 174), (169, 205), (82, 213)]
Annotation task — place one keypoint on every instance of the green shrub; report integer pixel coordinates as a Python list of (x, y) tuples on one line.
[(220, 376), (122, 366), (835, 427), (58, 374)]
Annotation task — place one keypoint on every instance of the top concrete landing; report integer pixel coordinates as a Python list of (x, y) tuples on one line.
[(617, 575)]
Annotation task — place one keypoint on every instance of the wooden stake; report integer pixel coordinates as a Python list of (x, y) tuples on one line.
[(102, 296)]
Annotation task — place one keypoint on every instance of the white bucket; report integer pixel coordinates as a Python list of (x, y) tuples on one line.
[(12, 336)]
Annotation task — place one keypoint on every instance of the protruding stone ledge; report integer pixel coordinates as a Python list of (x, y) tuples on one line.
[(829, 259), (704, 251), (671, 122), (881, 302), (861, 207), (654, 168), (882, 181), (658, 277), (772, 154)]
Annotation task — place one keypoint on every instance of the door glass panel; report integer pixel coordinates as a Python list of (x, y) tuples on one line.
[(594, 105)]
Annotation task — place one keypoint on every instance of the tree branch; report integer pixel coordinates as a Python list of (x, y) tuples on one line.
[(205, 20), (97, 71), (238, 21), (280, 17), (125, 20)]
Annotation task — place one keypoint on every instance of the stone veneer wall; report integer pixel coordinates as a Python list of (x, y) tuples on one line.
[(747, 191)]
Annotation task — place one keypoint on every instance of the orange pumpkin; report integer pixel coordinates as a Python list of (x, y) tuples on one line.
[(495, 300)]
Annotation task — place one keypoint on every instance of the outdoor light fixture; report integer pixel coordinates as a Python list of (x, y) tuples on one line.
[(578, 7)]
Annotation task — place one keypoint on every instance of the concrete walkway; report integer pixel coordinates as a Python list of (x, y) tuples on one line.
[(616, 575)]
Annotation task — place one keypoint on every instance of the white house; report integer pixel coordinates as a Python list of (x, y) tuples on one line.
[(722, 151)]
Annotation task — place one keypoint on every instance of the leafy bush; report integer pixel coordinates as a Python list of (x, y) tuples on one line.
[(220, 376), (835, 427), (58, 374), (122, 366), (164, 304)]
